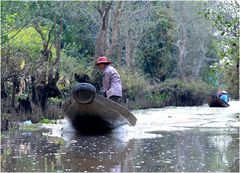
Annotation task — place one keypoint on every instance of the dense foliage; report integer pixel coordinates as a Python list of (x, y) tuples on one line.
[(49, 43), (156, 53)]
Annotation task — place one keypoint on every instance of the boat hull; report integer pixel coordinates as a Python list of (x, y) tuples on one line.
[(214, 101), (89, 112)]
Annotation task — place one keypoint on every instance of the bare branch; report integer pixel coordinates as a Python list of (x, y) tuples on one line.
[(38, 29)]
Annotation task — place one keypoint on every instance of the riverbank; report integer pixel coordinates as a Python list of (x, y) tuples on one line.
[(168, 93)]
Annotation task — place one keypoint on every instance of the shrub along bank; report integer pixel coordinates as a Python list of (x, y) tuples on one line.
[(172, 92), (140, 92)]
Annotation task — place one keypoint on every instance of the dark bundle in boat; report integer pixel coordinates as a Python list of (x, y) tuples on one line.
[(90, 113), (215, 101)]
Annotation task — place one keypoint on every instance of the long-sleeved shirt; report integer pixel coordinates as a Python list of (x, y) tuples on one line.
[(112, 85), (224, 97)]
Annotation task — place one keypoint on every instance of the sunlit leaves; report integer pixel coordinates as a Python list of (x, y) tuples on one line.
[(28, 39)]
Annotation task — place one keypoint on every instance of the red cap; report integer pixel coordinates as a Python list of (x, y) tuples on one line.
[(103, 60)]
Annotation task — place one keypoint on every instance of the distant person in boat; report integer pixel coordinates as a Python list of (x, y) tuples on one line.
[(224, 96), (219, 93), (112, 86)]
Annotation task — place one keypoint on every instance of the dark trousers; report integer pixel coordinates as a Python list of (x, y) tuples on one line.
[(115, 99)]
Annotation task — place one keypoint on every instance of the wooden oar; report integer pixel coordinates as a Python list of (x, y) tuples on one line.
[(116, 107)]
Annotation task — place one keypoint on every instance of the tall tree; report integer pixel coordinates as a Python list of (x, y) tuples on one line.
[(117, 11), (193, 38), (46, 19), (135, 24), (156, 54), (101, 42)]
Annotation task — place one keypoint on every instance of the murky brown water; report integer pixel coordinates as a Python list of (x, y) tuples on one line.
[(172, 139)]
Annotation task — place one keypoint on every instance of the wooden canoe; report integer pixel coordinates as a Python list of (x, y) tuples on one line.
[(215, 101), (90, 113)]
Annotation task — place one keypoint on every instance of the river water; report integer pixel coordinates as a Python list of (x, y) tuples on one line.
[(170, 139)]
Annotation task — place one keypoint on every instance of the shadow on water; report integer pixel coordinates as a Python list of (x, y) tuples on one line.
[(91, 125)]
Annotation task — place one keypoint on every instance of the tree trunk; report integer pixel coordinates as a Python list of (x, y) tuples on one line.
[(14, 82), (238, 72), (58, 48), (44, 73), (199, 62), (115, 29), (182, 55), (182, 45), (101, 41), (119, 54), (129, 52)]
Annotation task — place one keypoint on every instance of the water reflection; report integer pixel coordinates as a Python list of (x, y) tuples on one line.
[(192, 150), (188, 151), (39, 153), (189, 139), (94, 154)]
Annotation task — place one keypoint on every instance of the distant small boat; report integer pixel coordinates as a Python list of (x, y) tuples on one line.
[(215, 101), (91, 113)]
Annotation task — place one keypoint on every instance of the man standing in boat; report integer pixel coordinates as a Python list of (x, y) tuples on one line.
[(112, 86)]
